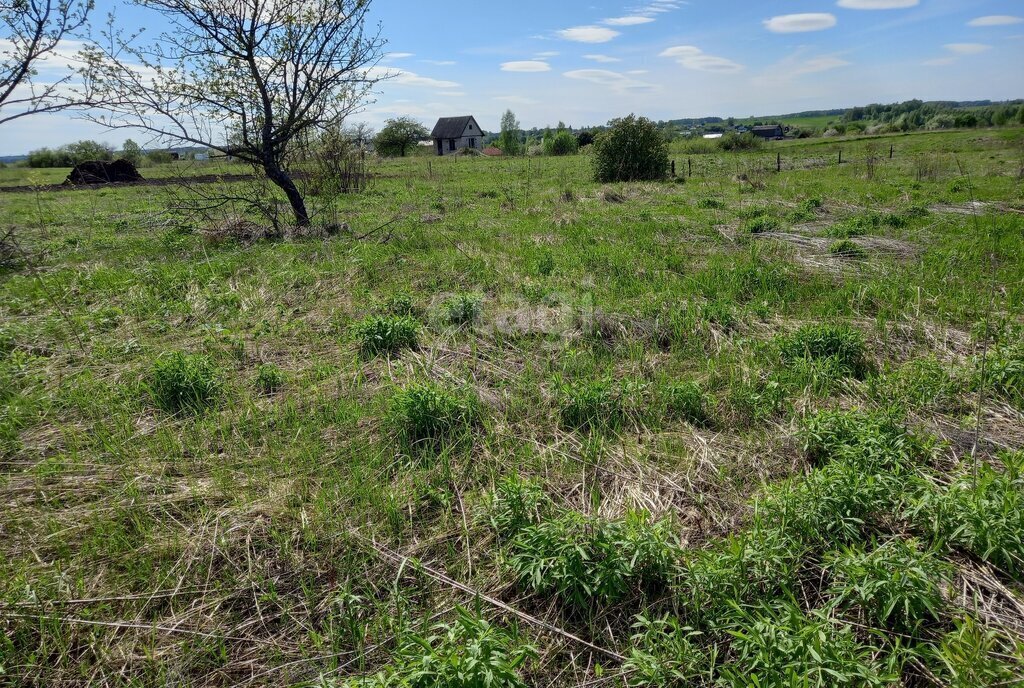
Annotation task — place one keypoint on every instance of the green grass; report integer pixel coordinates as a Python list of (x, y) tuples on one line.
[(721, 456)]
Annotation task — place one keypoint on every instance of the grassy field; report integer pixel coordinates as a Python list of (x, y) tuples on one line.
[(745, 428)]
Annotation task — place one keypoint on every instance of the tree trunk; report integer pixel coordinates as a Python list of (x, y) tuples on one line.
[(285, 183)]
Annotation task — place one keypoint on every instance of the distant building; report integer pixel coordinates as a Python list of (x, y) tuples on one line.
[(713, 136), (452, 134), (770, 131)]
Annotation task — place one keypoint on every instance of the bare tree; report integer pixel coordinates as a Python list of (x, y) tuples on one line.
[(247, 78), (31, 31)]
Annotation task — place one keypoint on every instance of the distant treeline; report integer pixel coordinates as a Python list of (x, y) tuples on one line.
[(81, 151), (916, 114)]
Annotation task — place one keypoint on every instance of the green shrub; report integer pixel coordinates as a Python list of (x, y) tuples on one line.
[(516, 504), (777, 645), (583, 561), (546, 264), (269, 378), (756, 564), (754, 400), (463, 309), (760, 224), (845, 248), (1004, 372), (971, 655), (428, 416), (400, 304), (666, 653), (983, 515), (896, 584), (469, 653), (386, 334), (734, 141), (841, 342), (872, 442), (921, 383), (708, 203), (632, 149), (836, 504), (686, 401), (184, 382), (600, 404), (562, 143)]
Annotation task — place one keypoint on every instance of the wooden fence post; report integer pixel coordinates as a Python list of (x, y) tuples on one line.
[(689, 167), (892, 149), (840, 156), (778, 162), (673, 168)]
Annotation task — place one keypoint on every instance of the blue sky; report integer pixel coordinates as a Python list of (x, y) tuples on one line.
[(584, 62)]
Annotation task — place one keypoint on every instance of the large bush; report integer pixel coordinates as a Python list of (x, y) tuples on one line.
[(562, 143), (633, 149)]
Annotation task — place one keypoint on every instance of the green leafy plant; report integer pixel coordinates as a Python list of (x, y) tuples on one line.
[(1004, 372), (777, 645), (184, 382), (665, 653), (583, 561), (429, 416), (386, 334), (840, 342), (686, 401), (760, 224), (269, 378), (983, 515), (897, 584), (468, 653), (845, 248), (971, 655), (515, 504), (600, 404), (632, 149), (462, 309)]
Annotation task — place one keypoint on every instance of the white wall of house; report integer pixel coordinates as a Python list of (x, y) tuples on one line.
[(472, 137)]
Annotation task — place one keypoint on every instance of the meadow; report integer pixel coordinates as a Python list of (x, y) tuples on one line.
[(513, 427)]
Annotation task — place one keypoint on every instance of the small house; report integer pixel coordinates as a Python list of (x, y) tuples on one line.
[(770, 131), (452, 134)]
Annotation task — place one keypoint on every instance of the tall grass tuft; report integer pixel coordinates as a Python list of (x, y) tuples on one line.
[(180, 382)]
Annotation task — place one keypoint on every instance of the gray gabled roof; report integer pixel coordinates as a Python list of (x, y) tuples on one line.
[(767, 127), (452, 127)]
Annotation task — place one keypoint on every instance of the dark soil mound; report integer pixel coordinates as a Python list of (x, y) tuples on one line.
[(104, 172)]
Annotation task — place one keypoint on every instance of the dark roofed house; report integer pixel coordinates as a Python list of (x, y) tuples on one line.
[(770, 131), (452, 134)]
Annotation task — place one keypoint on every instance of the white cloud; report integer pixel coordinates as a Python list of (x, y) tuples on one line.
[(681, 51), (613, 80), (546, 54), (822, 63), (393, 75), (633, 20), (799, 23), (967, 48), (692, 57), (439, 63), (398, 56), (526, 66), (589, 34), (878, 4), (604, 59), (996, 20), (450, 94)]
